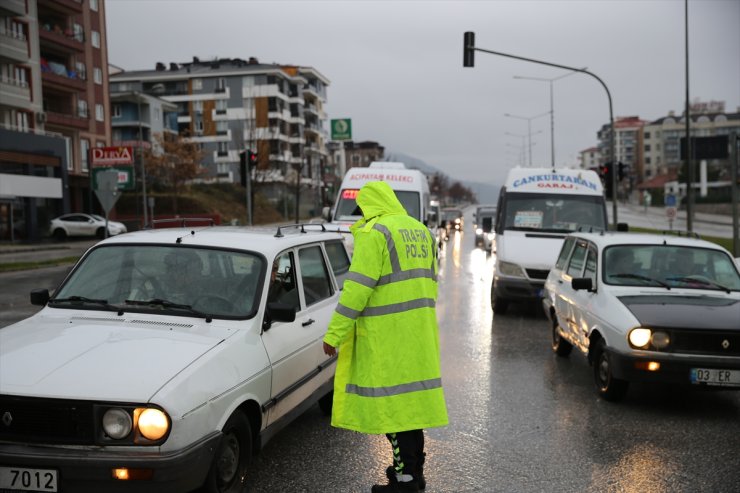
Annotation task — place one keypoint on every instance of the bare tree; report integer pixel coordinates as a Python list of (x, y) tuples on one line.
[(172, 163)]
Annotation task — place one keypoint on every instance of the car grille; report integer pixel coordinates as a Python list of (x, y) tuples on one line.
[(34, 420), (717, 343), (537, 273)]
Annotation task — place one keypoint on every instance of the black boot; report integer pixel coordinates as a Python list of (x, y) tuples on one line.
[(390, 473), (395, 486)]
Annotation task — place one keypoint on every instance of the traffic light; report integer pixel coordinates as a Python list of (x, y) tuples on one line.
[(622, 171), (243, 167), (468, 49), (252, 158), (607, 175)]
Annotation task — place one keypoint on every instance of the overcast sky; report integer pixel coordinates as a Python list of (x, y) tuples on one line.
[(396, 70)]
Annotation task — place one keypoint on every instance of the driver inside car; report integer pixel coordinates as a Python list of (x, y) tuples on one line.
[(184, 276)]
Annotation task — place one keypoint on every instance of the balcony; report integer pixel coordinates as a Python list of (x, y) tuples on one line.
[(13, 7), (14, 47), (15, 93), (62, 41), (63, 82), (66, 120), (65, 6)]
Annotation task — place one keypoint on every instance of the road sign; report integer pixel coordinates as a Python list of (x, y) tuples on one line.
[(107, 189), (670, 213), (341, 129), (670, 200)]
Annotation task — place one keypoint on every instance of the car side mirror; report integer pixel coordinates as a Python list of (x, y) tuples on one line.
[(326, 213), (580, 283), (623, 227), (277, 312), (40, 297)]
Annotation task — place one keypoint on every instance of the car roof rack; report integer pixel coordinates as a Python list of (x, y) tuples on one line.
[(279, 233), (183, 221), (682, 234)]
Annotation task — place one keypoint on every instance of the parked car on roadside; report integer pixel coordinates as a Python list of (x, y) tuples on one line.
[(648, 308), (79, 224), (167, 358)]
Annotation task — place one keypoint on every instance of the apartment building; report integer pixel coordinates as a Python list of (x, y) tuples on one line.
[(590, 158), (53, 109), (627, 143), (229, 105), (662, 137)]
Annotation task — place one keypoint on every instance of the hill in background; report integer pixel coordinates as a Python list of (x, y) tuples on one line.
[(487, 193)]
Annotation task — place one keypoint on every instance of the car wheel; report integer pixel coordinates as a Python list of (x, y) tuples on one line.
[(326, 403), (610, 388), (560, 346), (100, 233), (59, 234), (228, 473)]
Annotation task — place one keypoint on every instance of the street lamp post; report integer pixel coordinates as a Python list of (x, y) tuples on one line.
[(552, 109), (469, 50), (529, 129)]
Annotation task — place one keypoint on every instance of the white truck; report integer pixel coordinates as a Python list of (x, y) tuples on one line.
[(536, 208), (410, 185)]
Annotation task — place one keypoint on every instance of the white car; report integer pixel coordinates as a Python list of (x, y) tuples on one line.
[(642, 307), (79, 224), (167, 358)]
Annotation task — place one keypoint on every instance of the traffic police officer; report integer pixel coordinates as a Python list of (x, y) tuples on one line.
[(388, 377)]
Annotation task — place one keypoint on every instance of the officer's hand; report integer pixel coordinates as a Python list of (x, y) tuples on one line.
[(329, 350)]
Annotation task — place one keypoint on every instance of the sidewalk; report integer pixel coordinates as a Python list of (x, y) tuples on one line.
[(47, 250)]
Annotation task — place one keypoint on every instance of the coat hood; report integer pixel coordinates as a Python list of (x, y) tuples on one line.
[(376, 198)]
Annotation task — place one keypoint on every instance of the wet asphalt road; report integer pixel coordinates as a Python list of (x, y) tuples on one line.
[(521, 420)]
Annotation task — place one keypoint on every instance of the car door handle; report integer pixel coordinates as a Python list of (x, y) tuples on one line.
[(308, 322)]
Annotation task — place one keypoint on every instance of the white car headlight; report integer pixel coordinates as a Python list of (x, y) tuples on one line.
[(491, 235), (639, 337), (660, 339), (478, 231), (509, 269), (117, 423)]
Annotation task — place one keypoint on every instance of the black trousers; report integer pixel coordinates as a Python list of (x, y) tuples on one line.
[(408, 451)]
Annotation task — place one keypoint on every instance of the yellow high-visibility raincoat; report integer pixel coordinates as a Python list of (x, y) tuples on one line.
[(388, 373)]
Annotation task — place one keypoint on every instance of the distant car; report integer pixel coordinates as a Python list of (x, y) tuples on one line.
[(453, 219), (652, 308), (79, 224), (485, 219), (167, 358)]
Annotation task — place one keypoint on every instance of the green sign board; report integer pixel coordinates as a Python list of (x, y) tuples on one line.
[(341, 129), (126, 177)]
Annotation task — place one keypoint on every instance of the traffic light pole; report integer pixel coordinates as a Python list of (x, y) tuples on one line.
[(468, 61)]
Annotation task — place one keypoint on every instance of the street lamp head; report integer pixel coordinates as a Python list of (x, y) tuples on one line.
[(469, 49)]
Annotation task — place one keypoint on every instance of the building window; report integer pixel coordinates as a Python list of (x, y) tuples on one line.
[(94, 5), (81, 70), (97, 75), (84, 153), (116, 111), (95, 39), (99, 113), (82, 108), (198, 106), (197, 83)]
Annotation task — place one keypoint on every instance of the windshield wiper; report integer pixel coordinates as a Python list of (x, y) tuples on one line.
[(170, 305), (83, 299), (641, 278), (700, 280)]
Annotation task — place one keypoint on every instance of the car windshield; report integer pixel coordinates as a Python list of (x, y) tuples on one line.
[(670, 266), (553, 212), (219, 283), (348, 210)]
